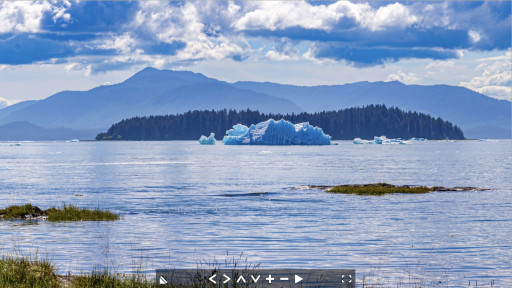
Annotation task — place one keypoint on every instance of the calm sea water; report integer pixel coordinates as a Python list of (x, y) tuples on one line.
[(181, 202)]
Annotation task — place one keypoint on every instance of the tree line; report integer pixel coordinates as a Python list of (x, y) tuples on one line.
[(344, 124)]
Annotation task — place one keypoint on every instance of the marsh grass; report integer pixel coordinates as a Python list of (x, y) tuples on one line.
[(22, 272), (105, 278), (13, 212), (73, 213), (379, 189), (66, 213)]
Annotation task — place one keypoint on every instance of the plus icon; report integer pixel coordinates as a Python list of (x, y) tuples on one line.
[(269, 279)]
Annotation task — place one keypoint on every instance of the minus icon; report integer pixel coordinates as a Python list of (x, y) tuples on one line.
[(284, 279)]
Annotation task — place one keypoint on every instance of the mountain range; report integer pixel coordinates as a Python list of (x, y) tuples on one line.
[(160, 92), (25, 131)]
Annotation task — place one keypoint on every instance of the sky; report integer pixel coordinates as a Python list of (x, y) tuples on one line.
[(51, 46)]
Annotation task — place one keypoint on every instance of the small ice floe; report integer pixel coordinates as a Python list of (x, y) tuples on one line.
[(73, 141), (300, 187), (210, 140), (361, 141), (383, 140), (417, 139), (265, 152)]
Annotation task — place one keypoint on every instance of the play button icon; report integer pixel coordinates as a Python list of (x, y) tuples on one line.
[(297, 278)]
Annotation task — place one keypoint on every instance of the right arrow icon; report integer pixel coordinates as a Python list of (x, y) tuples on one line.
[(297, 278), (227, 278)]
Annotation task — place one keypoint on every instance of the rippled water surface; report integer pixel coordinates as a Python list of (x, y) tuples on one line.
[(181, 202)]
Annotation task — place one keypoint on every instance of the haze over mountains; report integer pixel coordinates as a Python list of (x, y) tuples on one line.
[(160, 92)]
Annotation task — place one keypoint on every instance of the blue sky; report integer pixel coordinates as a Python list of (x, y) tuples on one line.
[(68, 45)]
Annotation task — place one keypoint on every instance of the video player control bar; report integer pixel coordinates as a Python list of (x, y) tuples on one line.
[(268, 278)]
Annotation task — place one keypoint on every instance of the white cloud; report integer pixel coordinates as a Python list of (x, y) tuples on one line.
[(21, 16), (393, 15), (26, 16), (123, 43), (196, 24), (498, 92), (186, 24), (274, 15), (474, 36), (495, 79), (4, 102), (439, 67), (284, 51), (409, 78), (278, 56)]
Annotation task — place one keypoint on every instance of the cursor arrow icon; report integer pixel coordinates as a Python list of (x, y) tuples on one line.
[(297, 278)]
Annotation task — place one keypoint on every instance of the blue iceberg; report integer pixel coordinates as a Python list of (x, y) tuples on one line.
[(210, 140), (273, 132), (238, 130)]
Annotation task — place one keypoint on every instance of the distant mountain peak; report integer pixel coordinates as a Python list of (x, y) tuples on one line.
[(153, 74)]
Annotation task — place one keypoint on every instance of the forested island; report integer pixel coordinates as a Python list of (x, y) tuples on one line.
[(345, 124)]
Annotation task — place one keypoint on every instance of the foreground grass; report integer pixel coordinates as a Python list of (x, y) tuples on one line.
[(66, 213), (107, 279), (379, 189), (24, 272)]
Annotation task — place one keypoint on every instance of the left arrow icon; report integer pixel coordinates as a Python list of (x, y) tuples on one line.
[(227, 279), (211, 278)]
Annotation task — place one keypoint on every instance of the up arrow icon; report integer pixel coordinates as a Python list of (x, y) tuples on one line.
[(297, 278)]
